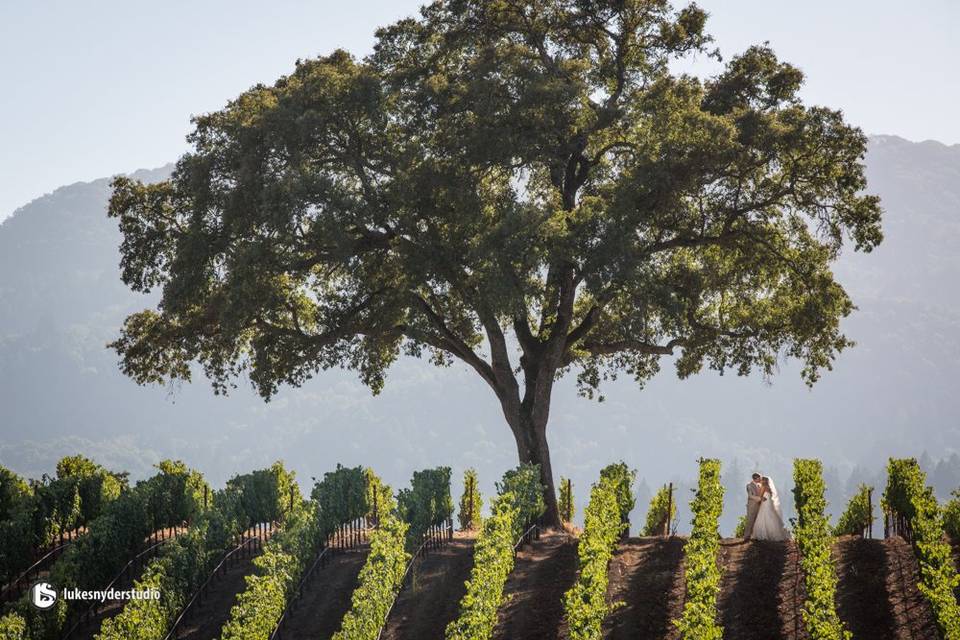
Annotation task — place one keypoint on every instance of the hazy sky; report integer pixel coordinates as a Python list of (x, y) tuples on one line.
[(96, 88)]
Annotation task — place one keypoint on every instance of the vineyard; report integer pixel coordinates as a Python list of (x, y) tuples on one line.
[(355, 560)]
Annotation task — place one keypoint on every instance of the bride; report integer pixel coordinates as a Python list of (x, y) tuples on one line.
[(769, 524)]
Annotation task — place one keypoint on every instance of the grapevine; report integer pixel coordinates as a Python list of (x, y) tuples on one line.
[(908, 496), (814, 541), (699, 618), (604, 520)]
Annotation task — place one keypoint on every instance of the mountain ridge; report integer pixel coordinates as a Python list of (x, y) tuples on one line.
[(145, 174), (61, 301)]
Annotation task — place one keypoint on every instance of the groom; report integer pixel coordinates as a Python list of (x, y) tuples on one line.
[(754, 498)]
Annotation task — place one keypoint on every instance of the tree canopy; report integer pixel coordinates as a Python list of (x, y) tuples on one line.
[(521, 185)]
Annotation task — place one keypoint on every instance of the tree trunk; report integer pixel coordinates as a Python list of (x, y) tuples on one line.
[(528, 414), (533, 449)]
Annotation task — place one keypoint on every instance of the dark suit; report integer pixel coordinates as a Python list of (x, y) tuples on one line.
[(754, 498)]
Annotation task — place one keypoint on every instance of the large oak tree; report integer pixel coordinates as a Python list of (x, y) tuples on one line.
[(524, 186)]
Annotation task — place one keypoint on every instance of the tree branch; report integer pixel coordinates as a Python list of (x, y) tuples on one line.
[(499, 356), (528, 342), (442, 344), (453, 344), (582, 329), (609, 348)]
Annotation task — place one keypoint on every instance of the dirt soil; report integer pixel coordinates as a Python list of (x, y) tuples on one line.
[(646, 577), (543, 573), (761, 591), (204, 622), (432, 600), (877, 595), (326, 599)]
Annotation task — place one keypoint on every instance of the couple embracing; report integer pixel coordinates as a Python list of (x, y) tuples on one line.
[(764, 517)]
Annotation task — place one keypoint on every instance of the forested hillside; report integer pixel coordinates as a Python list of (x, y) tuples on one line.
[(61, 301)]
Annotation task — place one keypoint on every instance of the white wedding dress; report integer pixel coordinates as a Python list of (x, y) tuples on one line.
[(769, 523)]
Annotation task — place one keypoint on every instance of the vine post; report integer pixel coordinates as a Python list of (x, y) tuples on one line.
[(666, 522), (470, 492)]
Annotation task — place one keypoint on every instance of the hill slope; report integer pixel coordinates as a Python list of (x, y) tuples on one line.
[(61, 301)]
